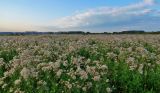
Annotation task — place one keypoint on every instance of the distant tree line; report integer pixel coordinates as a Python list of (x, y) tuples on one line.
[(137, 32), (78, 32), (70, 32)]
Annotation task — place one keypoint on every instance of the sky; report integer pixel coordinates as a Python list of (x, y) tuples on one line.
[(84, 15)]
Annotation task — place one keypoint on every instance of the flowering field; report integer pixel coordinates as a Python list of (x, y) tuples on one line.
[(80, 64)]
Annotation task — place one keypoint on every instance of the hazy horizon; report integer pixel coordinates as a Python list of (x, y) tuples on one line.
[(93, 16)]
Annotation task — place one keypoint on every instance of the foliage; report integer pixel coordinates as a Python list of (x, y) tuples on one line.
[(80, 64)]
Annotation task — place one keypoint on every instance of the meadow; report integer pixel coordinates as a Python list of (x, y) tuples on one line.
[(80, 64)]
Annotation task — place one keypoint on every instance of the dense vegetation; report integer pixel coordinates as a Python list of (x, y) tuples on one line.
[(80, 64)]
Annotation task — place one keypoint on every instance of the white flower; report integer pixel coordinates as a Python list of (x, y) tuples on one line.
[(1, 82), (25, 73), (47, 53), (40, 65), (1, 62), (84, 88), (7, 74), (130, 60), (140, 69), (111, 55), (142, 50), (56, 65), (103, 67), (83, 74), (58, 74), (91, 70), (132, 67), (130, 49), (18, 91), (89, 84), (41, 82), (47, 68), (17, 82), (107, 80), (69, 86), (11, 90), (65, 63), (108, 90), (4, 86), (73, 77)]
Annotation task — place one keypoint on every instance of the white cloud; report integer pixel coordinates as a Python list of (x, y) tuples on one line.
[(150, 2), (104, 16)]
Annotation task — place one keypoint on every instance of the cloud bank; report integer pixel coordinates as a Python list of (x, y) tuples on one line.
[(135, 16)]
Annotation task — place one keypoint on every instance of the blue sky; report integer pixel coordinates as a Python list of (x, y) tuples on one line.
[(87, 15)]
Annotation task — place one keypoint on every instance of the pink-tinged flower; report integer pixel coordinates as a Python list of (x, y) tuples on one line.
[(97, 78), (83, 74)]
